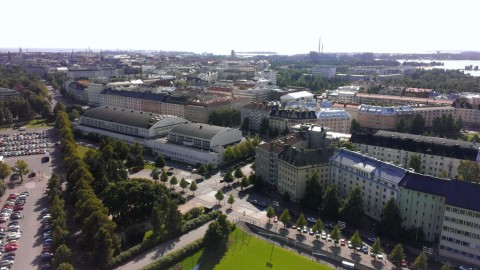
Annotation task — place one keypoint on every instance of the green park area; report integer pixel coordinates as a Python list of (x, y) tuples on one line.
[(247, 252), (82, 150)]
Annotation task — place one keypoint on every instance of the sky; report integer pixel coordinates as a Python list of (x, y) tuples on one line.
[(285, 27)]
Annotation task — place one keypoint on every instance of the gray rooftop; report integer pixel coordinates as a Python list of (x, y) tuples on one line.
[(302, 157), (124, 116), (199, 130)]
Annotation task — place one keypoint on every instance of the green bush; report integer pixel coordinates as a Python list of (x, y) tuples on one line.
[(148, 235), (173, 258), (2, 188), (151, 242)]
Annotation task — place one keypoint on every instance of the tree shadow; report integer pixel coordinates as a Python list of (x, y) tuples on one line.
[(335, 250), (269, 226), (229, 210), (189, 197), (300, 237), (377, 264), (318, 244), (242, 194), (209, 259), (283, 231), (355, 257)]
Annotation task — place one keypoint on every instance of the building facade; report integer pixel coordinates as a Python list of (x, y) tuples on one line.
[(383, 118)]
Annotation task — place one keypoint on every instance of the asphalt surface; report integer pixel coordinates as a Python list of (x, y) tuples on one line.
[(31, 241)]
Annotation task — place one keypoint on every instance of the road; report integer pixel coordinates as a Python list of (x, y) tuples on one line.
[(30, 244), (164, 248)]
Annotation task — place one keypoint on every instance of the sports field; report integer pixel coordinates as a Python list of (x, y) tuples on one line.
[(247, 252)]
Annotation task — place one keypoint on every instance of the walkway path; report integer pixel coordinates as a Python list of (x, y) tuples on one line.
[(144, 259)]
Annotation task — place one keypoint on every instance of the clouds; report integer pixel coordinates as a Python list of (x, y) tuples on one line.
[(219, 26)]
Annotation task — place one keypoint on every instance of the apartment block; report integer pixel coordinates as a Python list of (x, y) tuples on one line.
[(430, 113), (387, 100), (255, 112), (384, 118), (378, 180), (437, 155), (296, 166)]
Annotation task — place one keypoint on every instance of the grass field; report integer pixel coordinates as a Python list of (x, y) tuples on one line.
[(247, 252), (82, 150), (37, 123)]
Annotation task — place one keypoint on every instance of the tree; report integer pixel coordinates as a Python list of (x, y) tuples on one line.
[(418, 124), (301, 221), (156, 218), (210, 167), (183, 184), (335, 234), (391, 220), (238, 173), (62, 255), (155, 175), (65, 266), (164, 176), (415, 163), (139, 162), (356, 240), (21, 167), (397, 254), (443, 174), (319, 226), (5, 171), (469, 171), (286, 197), (160, 162), (231, 200), (73, 114), (228, 178), (246, 124), (331, 201), (136, 149), (270, 213), (355, 126), (446, 266), (244, 183), (285, 218), (400, 126), (421, 262), (202, 169), (313, 193), (377, 247), (216, 236), (264, 124), (59, 107), (193, 187), (219, 196), (352, 210), (173, 181)]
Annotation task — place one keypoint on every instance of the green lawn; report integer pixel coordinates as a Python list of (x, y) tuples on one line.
[(37, 123), (148, 166), (247, 252), (82, 150)]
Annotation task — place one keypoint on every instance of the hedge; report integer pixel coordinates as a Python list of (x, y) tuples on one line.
[(175, 257), (151, 242)]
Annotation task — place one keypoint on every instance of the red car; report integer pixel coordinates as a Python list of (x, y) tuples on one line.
[(11, 247), (18, 207), (403, 263), (12, 196), (275, 219), (8, 206)]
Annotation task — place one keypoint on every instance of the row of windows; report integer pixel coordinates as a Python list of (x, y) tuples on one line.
[(460, 242), (462, 211), (461, 232), (460, 252), (462, 222)]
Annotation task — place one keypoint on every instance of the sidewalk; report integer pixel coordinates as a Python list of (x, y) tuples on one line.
[(144, 259)]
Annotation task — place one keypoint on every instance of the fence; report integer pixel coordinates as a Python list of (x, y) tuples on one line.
[(315, 253)]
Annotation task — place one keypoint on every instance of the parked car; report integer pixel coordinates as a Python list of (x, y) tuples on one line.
[(11, 247), (365, 249), (312, 220), (45, 256)]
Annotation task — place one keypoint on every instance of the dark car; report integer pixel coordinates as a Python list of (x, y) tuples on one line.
[(46, 256)]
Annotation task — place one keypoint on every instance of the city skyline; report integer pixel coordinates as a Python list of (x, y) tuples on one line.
[(218, 27)]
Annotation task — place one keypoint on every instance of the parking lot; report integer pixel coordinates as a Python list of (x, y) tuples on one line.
[(30, 240), (24, 143)]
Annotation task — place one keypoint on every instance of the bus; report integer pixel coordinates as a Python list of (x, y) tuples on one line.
[(348, 265)]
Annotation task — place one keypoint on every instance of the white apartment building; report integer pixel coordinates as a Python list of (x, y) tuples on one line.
[(324, 71), (378, 180)]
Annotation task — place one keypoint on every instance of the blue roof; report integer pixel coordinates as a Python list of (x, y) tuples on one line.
[(379, 168), (457, 193)]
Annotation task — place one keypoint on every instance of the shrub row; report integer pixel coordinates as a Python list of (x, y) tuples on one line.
[(175, 257), (151, 242)]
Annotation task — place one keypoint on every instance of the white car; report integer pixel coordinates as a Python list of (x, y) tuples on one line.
[(380, 256), (349, 244), (14, 236), (324, 235), (329, 239)]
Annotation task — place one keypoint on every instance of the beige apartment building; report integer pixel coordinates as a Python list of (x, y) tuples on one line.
[(384, 118), (296, 166), (470, 117), (430, 113), (387, 100), (266, 161)]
